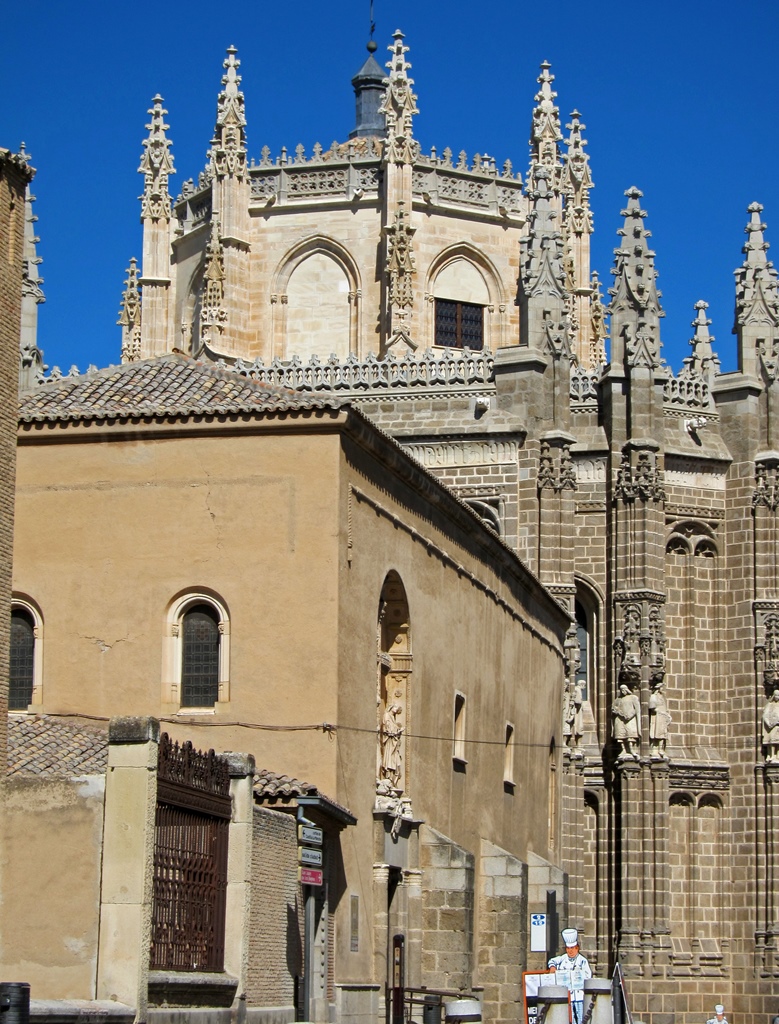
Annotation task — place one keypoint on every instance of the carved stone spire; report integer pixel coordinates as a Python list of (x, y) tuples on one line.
[(399, 105), (156, 166), (703, 359), (400, 270), (31, 366), (635, 306), (757, 302), (130, 315), (543, 273), (228, 146), (577, 180), (545, 132), (213, 315)]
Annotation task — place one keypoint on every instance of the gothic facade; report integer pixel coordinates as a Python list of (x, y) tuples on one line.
[(454, 305)]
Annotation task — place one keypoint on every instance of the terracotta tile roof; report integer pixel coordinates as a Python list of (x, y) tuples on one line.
[(170, 385), (53, 746), (269, 787), (269, 784)]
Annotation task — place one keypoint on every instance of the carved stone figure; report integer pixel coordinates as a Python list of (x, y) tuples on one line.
[(659, 720), (771, 728), (572, 722), (626, 721), (391, 732)]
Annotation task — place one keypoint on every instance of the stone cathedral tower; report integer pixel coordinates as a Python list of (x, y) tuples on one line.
[(456, 305)]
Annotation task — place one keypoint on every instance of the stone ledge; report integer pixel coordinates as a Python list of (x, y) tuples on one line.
[(80, 1011), (191, 988)]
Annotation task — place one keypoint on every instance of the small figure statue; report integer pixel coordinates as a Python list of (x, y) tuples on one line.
[(578, 966), (391, 732), (572, 723), (771, 728), (626, 721), (719, 1015), (659, 720)]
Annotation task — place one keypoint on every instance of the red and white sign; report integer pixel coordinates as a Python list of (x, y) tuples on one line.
[(310, 876)]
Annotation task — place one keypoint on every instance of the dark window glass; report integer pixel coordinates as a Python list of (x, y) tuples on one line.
[(582, 674), (22, 660), (459, 324), (200, 658)]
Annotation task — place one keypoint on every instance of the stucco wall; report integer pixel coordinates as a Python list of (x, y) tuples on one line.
[(51, 897)]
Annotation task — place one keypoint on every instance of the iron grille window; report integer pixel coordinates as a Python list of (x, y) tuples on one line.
[(200, 658), (459, 324), (22, 661), (190, 884), (190, 859)]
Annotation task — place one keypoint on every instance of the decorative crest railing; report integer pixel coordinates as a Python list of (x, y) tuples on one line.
[(374, 374)]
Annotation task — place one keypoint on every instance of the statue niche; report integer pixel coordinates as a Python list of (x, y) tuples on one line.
[(394, 671)]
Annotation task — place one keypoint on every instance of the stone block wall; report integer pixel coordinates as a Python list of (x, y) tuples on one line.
[(447, 912), (276, 916), (501, 946)]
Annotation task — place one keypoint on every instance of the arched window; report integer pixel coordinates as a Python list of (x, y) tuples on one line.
[(22, 667), (200, 657), (460, 297), (196, 652), (26, 661), (583, 637)]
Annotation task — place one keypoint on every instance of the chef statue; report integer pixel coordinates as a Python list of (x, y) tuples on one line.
[(719, 1015), (578, 969)]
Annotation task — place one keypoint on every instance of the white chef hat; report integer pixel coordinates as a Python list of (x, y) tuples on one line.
[(570, 937), (719, 1008)]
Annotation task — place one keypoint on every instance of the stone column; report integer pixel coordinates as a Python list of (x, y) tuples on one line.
[(239, 867), (128, 852), (553, 999)]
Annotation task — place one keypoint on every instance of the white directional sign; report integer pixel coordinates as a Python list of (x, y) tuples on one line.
[(310, 835), (313, 857)]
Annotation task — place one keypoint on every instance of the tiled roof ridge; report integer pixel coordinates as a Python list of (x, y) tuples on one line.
[(191, 387), (41, 745)]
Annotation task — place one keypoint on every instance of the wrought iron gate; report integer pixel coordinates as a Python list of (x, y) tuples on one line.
[(190, 859)]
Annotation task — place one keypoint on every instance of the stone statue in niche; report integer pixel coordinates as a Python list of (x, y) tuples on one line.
[(626, 722), (572, 724), (771, 728), (659, 720), (391, 758)]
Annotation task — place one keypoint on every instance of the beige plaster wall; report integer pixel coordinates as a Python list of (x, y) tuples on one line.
[(51, 895), (110, 533)]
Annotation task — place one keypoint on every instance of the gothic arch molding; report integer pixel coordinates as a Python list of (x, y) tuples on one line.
[(495, 310), (394, 668), (314, 245)]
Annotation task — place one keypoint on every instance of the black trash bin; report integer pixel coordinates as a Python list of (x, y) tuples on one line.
[(14, 1002)]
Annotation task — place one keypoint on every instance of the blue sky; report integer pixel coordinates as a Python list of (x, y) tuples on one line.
[(679, 99)]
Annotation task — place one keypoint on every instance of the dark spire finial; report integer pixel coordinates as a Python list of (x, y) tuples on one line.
[(372, 45)]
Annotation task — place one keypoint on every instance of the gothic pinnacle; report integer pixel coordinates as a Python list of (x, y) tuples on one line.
[(576, 180), (399, 105), (635, 307), (757, 296), (703, 359), (228, 146), (545, 131), (156, 165)]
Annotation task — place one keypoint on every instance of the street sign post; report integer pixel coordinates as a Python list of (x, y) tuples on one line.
[(310, 876)]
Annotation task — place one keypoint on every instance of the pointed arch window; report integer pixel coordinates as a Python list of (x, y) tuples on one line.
[(459, 324)]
